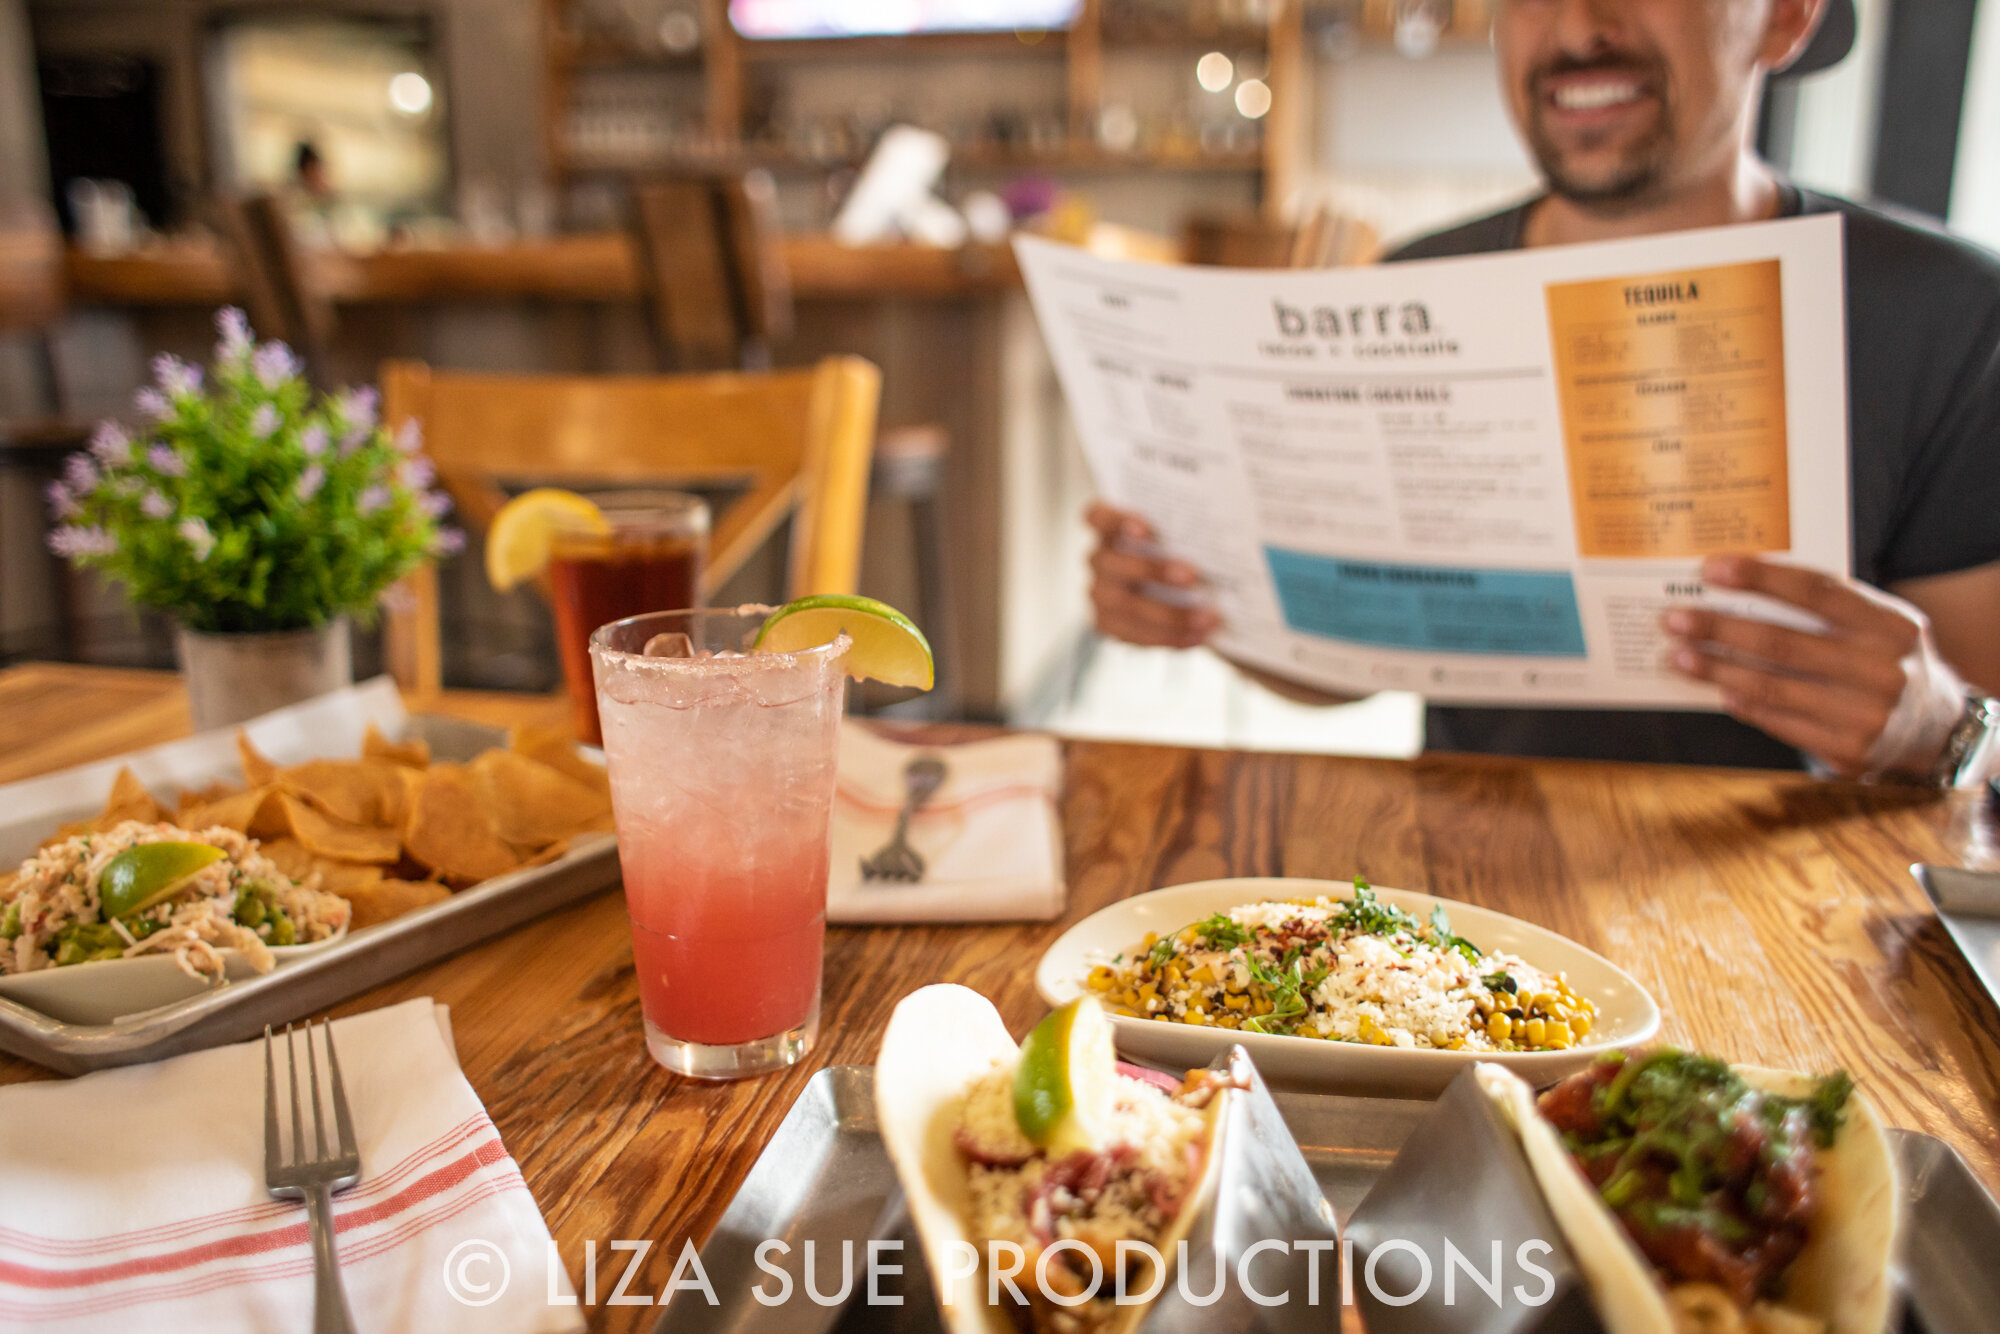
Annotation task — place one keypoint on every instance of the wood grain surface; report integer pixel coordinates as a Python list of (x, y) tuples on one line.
[(1772, 916)]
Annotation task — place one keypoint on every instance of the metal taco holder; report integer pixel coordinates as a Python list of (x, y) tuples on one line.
[(825, 1178)]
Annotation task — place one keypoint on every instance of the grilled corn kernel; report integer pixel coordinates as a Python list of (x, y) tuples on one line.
[(1238, 1003), (1149, 991), (1152, 939), (1102, 978), (1499, 1027), (1535, 1032), (1545, 1001), (1174, 974), (1187, 935), (1196, 1005), (1579, 1024), (1558, 1035), (1262, 1006), (1204, 975), (1229, 1021)]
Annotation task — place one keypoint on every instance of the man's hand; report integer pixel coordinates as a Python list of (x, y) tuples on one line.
[(1870, 694), (1122, 568)]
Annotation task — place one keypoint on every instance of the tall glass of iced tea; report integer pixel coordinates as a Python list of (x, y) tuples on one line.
[(650, 560), (722, 780)]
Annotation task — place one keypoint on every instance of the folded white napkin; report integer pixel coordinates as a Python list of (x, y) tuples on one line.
[(990, 837), (134, 1198)]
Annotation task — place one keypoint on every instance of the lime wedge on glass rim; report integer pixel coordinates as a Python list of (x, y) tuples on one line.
[(1067, 1079), (139, 877), (888, 647)]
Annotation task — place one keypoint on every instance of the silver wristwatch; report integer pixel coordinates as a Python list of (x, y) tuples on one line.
[(1968, 748)]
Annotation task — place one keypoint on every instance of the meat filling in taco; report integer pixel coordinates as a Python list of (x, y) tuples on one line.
[(1713, 1179)]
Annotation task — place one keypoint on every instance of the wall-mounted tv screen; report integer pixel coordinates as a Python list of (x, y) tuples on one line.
[(869, 18)]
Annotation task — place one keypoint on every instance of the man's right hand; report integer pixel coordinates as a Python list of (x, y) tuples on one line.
[(1120, 570)]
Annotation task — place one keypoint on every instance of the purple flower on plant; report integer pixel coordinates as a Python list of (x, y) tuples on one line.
[(61, 503), (235, 331), (410, 435), (176, 377), (448, 542), (155, 506), (264, 422), (313, 440), (273, 364), (72, 540), (152, 403), (434, 503), (167, 461), (195, 533), (111, 445), (371, 499), (310, 481), (80, 473), (416, 472)]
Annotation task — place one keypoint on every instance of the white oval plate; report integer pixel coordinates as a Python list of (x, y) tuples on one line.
[(1625, 1013), (109, 989)]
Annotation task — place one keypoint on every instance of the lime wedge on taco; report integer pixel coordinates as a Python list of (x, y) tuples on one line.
[(1066, 1081)]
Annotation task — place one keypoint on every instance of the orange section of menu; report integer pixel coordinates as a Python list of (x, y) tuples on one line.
[(1673, 404)]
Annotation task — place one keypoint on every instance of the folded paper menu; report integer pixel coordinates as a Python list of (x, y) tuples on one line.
[(135, 1198), (1480, 478), (990, 837)]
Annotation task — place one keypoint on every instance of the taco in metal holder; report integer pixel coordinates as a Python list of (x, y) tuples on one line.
[(1048, 1148), (1701, 1198)]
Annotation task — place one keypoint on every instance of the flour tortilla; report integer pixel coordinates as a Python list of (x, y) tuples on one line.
[(1842, 1276), (941, 1040)]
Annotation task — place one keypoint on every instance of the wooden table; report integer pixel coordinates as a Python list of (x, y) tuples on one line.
[(1772, 916)]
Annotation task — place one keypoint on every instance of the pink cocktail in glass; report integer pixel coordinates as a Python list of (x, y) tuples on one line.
[(722, 777)]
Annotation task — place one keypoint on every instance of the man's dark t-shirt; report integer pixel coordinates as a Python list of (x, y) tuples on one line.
[(1923, 371)]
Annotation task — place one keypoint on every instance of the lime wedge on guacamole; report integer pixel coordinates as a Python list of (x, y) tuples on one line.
[(140, 877), (1067, 1079), (888, 647)]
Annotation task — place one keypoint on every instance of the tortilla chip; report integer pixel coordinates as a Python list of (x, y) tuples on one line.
[(357, 791), (196, 797), (531, 802), (344, 878), (289, 856), (257, 771), (448, 830), (383, 899), (129, 800), (322, 835), (414, 753), (553, 852), (555, 747), (237, 812)]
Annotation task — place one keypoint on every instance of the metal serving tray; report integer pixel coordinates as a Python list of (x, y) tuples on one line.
[(825, 1178), (357, 962)]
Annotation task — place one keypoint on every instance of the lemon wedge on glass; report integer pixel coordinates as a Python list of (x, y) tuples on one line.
[(888, 647), (519, 539), (1066, 1082), (139, 877)]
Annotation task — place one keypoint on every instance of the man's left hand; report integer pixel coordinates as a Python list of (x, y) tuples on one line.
[(1832, 694)]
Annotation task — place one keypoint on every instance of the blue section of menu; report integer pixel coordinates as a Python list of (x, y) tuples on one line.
[(1433, 608)]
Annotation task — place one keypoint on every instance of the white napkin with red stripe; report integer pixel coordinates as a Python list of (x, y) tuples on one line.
[(990, 837), (134, 1198)]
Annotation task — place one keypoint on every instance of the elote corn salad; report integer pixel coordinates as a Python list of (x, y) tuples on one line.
[(1345, 970), (52, 915)]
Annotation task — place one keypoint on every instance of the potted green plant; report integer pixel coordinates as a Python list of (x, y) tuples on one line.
[(261, 516)]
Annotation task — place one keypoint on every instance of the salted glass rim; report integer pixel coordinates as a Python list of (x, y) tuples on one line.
[(752, 612)]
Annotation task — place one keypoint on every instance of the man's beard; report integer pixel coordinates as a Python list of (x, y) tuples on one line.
[(1644, 165)]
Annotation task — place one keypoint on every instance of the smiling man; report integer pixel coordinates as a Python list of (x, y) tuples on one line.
[(1641, 115)]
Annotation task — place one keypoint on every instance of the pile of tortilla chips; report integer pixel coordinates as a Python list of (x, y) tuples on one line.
[(392, 831)]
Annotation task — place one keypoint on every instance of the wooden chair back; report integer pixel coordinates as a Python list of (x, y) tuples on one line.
[(712, 269), (278, 293), (1328, 239), (797, 442), (1323, 239)]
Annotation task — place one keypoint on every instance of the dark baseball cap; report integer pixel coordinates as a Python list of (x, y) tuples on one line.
[(1830, 43)]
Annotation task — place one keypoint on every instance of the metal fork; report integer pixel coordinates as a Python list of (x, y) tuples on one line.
[(315, 1177), (896, 859)]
